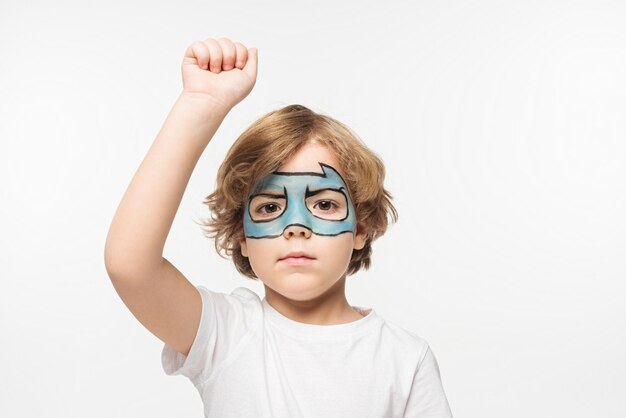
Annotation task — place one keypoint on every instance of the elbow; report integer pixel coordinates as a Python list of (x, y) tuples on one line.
[(128, 261)]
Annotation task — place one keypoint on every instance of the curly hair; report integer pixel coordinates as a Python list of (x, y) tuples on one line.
[(263, 147)]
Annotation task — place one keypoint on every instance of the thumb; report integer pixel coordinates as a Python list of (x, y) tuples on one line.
[(252, 63)]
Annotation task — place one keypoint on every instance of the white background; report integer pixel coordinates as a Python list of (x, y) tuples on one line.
[(503, 132)]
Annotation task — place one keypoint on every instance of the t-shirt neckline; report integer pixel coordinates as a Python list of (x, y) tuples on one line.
[(309, 331)]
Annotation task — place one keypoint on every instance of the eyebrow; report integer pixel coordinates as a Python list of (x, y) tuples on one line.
[(263, 193), (271, 190), (267, 192)]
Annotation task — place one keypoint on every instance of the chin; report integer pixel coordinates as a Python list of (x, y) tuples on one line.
[(300, 289)]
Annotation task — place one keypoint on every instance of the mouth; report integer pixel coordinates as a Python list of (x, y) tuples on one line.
[(297, 258), (297, 261), (298, 254)]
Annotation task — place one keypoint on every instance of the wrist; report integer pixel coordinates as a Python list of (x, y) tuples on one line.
[(202, 104)]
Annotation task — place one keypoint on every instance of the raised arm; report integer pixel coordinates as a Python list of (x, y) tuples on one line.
[(217, 74)]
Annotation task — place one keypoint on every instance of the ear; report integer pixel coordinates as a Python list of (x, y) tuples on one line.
[(359, 237), (244, 248)]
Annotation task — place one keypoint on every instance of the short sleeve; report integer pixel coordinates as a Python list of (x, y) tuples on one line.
[(226, 322), (427, 398)]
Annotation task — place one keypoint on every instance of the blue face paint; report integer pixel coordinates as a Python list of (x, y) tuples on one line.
[(319, 202)]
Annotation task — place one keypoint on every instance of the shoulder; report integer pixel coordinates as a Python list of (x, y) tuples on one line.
[(247, 294), (227, 323), (238, 295), (407, 342), (241, 304)]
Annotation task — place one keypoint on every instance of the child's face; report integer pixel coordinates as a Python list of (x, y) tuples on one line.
[(298, 210)]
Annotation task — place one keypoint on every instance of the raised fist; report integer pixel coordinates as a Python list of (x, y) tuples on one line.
[(219, 70)]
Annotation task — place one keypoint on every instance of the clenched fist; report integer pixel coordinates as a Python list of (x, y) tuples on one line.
[(221, 71)]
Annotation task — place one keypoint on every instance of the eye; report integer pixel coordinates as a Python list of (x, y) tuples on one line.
[(268, 208), (327, 205)]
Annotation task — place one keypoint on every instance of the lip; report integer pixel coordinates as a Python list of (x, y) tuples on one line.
[(297, 254), (297, 258), (297, 261)]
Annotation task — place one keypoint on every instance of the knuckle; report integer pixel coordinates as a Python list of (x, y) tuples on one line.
[(226, 44), (211, 43)]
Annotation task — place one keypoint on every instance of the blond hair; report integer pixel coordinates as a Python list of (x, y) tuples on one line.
[(263, 147)]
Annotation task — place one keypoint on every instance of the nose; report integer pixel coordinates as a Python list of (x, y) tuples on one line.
[(296, 230)]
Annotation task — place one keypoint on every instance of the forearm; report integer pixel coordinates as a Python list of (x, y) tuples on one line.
[(145, 215)]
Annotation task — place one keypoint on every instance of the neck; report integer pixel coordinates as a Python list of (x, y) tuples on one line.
[(329, 308)]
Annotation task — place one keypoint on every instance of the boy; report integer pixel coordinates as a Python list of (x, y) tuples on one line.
[(299, 200)]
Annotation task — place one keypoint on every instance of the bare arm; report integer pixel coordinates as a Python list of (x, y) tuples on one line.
[(216, 76), (142, 222)]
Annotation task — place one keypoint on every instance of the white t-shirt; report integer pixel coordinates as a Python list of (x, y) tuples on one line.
[(249, 360)]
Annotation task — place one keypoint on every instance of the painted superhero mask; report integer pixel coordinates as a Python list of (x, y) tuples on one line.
[(319, 202)]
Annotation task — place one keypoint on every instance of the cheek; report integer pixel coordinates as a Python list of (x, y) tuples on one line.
[(260, 255), (336, 249), (255, 246)]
